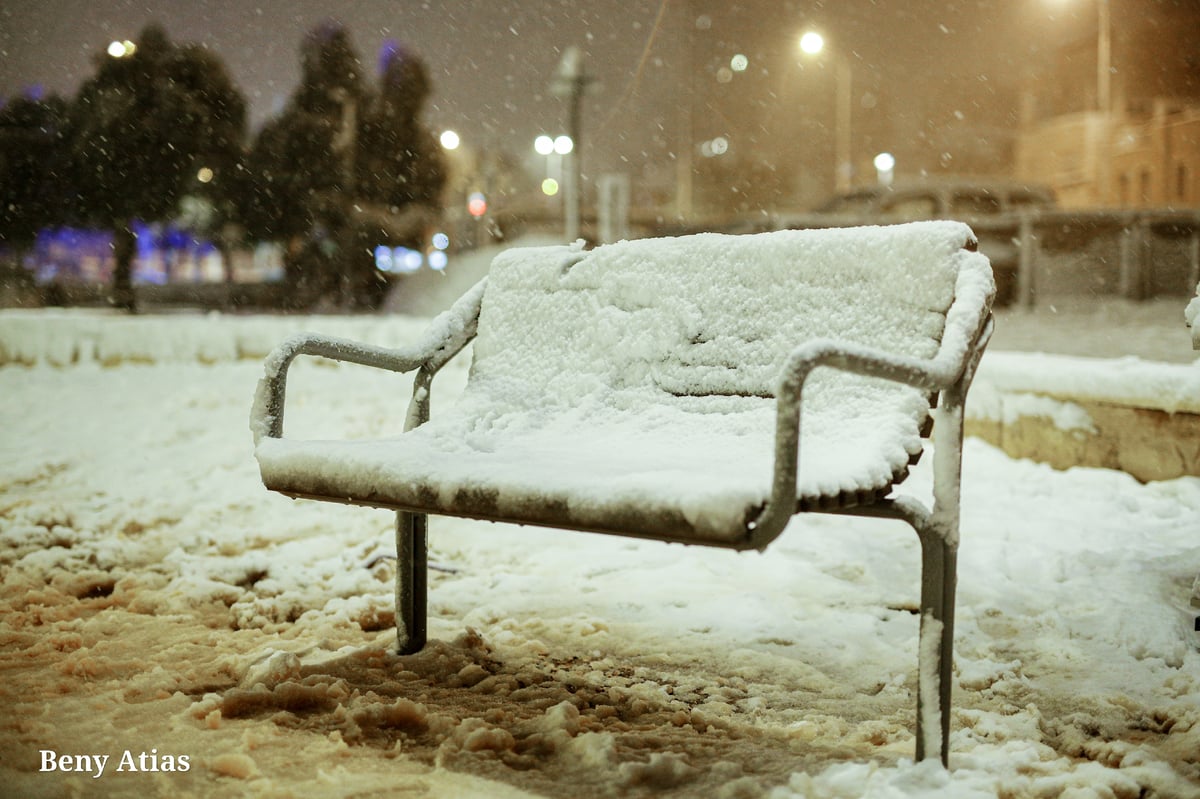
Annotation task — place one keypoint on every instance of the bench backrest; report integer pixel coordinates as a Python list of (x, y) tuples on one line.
[(708, 315)]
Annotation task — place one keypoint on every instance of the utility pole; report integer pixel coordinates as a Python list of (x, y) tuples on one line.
[(570, 81), (684, 150), (1104, 100)]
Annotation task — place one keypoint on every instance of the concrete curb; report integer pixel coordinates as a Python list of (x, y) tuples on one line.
[(1137, 416)]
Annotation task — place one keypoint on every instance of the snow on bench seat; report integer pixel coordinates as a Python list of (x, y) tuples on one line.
[(631, 388)]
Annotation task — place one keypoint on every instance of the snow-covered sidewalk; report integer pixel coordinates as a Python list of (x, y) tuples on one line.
[(158, 600)]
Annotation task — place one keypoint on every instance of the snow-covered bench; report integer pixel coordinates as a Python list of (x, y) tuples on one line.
[(699, 390)]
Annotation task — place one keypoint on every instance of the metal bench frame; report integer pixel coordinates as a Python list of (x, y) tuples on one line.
[(947, 380)]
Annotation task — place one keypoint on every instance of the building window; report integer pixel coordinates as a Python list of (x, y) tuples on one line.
[(1123, 189), (1144, 188), (1181, 181)]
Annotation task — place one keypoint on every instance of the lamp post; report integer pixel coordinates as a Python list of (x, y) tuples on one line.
[(1104, 98), (1104, 105), (570, 81), (1104, 59), (813, 43)]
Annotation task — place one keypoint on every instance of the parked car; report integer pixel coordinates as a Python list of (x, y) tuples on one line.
[(992, 208)]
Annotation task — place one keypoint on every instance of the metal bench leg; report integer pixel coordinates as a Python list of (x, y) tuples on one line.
[(936, 647), (939, 575), (411, 582)]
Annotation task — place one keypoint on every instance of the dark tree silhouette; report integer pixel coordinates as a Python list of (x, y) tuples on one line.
[(331, 71), (33, 171), (400, 162), (140, 130), (343, 168), (291, 172)]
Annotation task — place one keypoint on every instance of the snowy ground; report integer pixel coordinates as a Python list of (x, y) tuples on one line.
[(156, 599)]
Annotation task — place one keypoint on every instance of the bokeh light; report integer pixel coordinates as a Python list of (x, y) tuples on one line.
[(477, 204), (121, 49), (812, 42)]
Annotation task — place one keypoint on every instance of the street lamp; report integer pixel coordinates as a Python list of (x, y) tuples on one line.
[(449, 140), (553, 148), (121, 49), (885, 168), (569, 82), (812, 44)]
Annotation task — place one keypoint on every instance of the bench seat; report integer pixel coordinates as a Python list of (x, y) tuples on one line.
[(693, 475)]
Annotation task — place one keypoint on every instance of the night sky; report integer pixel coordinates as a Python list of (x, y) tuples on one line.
[(491, 60)]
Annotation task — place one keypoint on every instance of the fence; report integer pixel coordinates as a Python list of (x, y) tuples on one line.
[(1054, 254)]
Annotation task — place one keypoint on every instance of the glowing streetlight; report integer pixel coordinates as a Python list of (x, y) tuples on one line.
[(121, 49), (812, 44), (553, 148), (450, 140), (885, 168)]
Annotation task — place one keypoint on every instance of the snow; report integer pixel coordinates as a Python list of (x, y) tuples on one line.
[(1125, 381), (633, 380), (156, 596)]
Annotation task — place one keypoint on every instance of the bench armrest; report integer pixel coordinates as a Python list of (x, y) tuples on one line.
[(951, 369), (445, 337)]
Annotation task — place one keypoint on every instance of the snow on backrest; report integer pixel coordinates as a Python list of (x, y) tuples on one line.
[(707, 314)]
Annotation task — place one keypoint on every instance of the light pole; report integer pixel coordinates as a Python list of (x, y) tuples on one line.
[(1104, 105), (813, 43), (1104, 59), (1104, 98), (569, 82)]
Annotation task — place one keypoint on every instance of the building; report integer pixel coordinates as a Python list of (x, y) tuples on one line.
[(1124, 159), (1113, 120)]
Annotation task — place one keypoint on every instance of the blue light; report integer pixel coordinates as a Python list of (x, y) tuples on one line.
[(383, 258), (437, 260), (407, 260)]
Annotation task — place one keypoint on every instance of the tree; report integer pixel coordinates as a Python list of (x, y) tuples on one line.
[(141, 129), (290, 172), (399, 161), (297, 172), (33, 192), (331, 72), (343, 168)]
